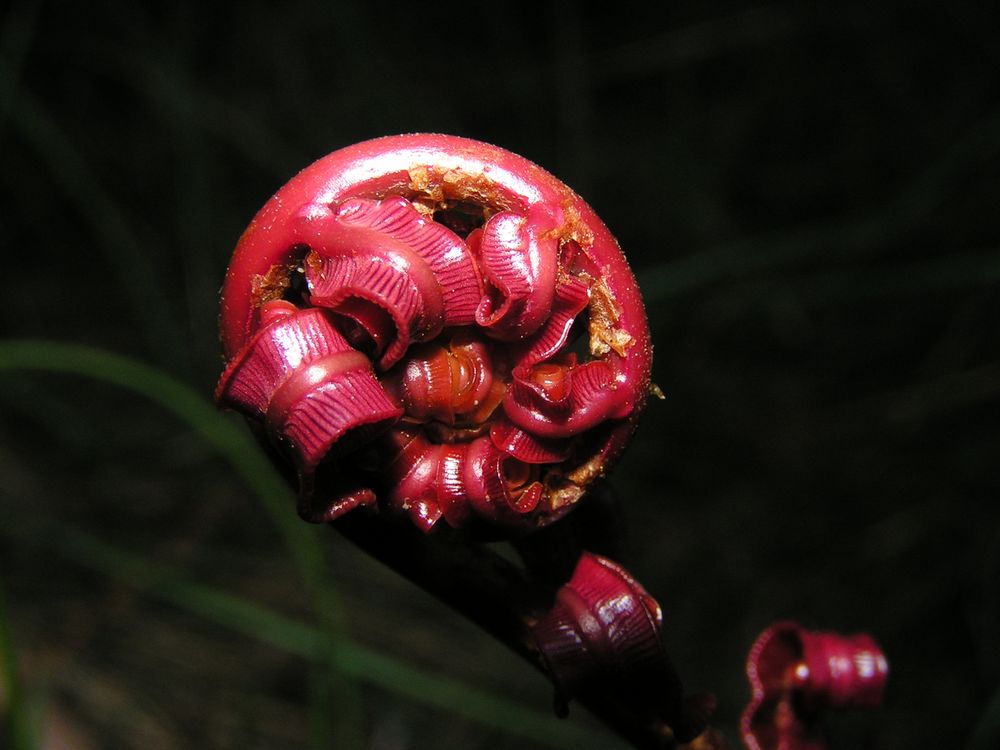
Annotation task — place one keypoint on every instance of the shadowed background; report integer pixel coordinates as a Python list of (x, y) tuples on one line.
[(808, 196)]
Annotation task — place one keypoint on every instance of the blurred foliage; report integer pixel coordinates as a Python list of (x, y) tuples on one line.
[(808, 194)]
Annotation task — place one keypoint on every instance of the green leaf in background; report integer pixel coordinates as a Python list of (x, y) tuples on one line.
[(327, 643), (18, 721)]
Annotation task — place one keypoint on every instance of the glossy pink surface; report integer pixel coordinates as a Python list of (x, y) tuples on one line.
[(603, 622), (603, 636), (294, 375), (409, 241), (796, 674), (399, 165)]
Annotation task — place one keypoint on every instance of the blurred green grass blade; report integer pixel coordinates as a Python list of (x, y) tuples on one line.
[(236, 446), (230, 441), (301, 639), (19, 735), (322, 729)]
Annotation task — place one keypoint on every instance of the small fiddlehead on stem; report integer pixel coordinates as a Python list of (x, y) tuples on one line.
[(796, 675)]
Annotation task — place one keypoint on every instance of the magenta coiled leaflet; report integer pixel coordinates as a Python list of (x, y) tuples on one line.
[(603, 635), (796, 675), (435, 327)]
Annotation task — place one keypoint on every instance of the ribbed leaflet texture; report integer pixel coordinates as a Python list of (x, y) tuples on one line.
[(521, 267), (592, 384), (351, 400), (336, 278), (301, 376), (443, 250), (526, 447), (630, 638), (272, 355), (571, 298)]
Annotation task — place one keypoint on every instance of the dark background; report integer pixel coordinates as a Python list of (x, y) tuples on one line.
[(808, 194)]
